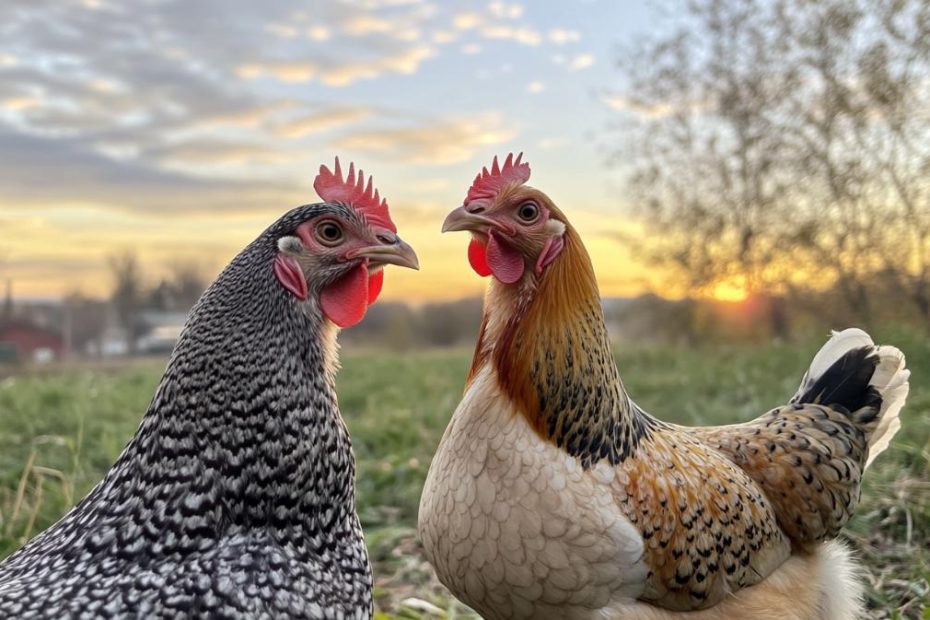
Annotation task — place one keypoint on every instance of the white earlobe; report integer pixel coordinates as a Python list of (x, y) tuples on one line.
[(555, 227), (290, 245)]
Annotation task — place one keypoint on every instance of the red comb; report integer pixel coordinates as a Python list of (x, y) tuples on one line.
[(487, 184), (352, 191)]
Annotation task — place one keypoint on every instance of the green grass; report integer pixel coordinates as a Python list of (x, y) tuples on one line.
[(59, 434)]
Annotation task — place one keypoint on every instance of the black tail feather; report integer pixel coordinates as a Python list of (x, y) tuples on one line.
[(846, 384)]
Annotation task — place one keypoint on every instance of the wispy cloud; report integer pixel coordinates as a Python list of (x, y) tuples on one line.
[(28, 163), (405, 62), (217, 152), (341, 73), (434, 142), (581, 61), (324, 120), (524, 35), (561, 36), (364, 24), (291, 72), (467, 21), (576, 62), (510, 10)]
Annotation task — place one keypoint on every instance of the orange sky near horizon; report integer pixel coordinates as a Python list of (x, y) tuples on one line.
[(71, 249)]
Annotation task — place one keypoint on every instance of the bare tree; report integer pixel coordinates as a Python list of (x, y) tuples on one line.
[(127, 293), (187, 282), (785, 146), (862, 144), (708, 172), (86, 321), (7, 313), (180, 289)]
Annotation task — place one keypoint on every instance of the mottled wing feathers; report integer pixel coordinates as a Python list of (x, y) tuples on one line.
[(708, 529), (808, 459)]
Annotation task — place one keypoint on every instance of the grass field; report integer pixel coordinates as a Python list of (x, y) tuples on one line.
[(60, 433)]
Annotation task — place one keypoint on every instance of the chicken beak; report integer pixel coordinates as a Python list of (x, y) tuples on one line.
[(398, 252), (462, 219)]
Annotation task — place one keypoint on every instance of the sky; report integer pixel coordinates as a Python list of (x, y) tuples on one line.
[(179, 130)]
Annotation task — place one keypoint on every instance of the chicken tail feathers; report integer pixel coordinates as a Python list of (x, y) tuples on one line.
[(867, 381)]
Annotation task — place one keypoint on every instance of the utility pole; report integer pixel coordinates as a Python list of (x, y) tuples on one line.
[(8, 302)]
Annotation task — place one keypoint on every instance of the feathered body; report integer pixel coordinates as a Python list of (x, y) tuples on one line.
[(237, 491), (236, 496), (552, 494)]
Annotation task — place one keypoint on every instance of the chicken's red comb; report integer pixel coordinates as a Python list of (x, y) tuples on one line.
[(488, 183), (354, 192)]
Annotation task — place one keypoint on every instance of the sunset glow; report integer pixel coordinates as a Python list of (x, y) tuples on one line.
[(185, 148)]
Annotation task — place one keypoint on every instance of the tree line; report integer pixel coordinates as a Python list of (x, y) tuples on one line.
[(783, 146)]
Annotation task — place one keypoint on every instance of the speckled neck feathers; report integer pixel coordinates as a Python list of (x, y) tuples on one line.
[(548, 344), (247, 407), (236, 495)]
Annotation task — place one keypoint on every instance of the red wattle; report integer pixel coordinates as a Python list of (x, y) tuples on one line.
[(478, 258), (375, 284), (345, 301), (506, 263)]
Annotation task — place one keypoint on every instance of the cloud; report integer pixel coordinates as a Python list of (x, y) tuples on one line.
[(535, 87), (321, 121), (134, 93), (217, 153), (505, 10), (248, 118), (405, 62), (561, 36), (444, 36), (48, 172), (581, 61), (17, 104), (342, 73), (523, 35), (318, 33), (577, 62), (436, 142), (290, 72), (467, 21), (364, 24), (284, 31)]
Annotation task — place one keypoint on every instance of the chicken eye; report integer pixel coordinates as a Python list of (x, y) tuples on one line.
[(528, 212), (329, 233)]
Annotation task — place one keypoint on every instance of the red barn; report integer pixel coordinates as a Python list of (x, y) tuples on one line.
[(31, 342)]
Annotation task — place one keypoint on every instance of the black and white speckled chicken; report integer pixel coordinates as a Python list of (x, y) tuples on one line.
[(236, 496)]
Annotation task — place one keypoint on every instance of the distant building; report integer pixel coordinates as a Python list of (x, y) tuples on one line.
[(24, 341), (162, 330)]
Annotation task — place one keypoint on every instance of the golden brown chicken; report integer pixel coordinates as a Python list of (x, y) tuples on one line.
[(553, 495)]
